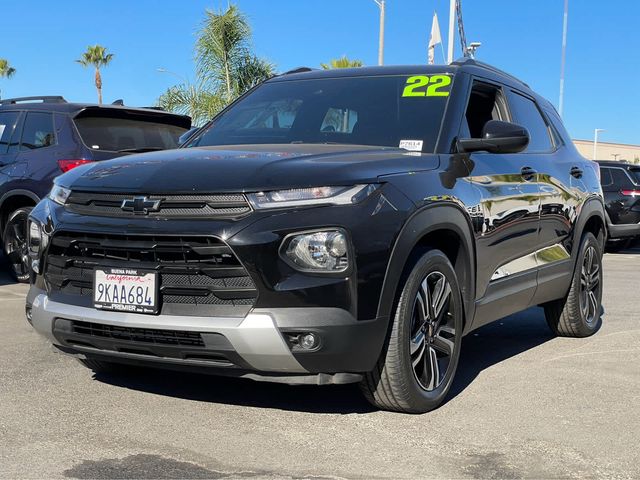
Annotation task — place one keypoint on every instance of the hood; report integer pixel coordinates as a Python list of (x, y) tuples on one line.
[(245, 168)]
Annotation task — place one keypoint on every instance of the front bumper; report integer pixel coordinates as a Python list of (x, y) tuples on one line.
[(255, 346)]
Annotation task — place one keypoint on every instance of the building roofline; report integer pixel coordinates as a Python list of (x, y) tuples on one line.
[(607, 143)]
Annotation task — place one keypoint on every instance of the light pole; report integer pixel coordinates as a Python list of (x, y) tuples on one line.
[(615, 156), (164, 70), (452, 19), (595, 141), (381, 4), (564, 55)]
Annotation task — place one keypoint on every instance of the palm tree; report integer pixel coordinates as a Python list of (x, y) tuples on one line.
[(225, 67), (97, 57), (342, 62), (6, 70), (223, 53)]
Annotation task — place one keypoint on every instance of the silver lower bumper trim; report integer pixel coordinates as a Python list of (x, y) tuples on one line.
[(255, 337)]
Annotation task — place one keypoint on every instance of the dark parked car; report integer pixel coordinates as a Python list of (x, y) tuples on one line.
[(329, 227), (42, 137), (621, 187)]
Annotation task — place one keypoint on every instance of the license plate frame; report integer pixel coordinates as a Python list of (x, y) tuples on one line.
[(120, 292)]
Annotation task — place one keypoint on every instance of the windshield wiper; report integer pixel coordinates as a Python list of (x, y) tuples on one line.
[(140, 150)]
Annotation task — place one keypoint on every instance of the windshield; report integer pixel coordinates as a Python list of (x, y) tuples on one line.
[(390, 111), (121, 134)]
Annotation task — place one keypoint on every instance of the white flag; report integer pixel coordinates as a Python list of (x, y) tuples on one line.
[(434, 38)]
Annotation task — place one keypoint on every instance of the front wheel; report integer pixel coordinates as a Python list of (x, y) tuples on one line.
[(578, 314), (15, 244), (416, 368)]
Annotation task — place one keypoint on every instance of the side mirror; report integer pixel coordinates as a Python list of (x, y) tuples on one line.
[(497, 137)]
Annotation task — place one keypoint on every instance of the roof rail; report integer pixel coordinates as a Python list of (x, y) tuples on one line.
[(43, 99), (486, 66), (299, 70)]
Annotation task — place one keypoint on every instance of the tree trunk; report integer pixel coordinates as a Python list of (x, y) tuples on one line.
[(228, 75), (99, 86)]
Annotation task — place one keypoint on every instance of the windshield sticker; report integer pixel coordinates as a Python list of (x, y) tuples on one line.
[(411, 145), (424, 86)]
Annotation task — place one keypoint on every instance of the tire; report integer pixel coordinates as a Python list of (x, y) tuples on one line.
[(99, 366), (15, 244), (403, 381), (579, 313)]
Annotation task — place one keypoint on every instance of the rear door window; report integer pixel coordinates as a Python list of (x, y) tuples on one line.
[(526, 113), (620, 178), (606, 180), (123, 134), (7, 125), (38, 131)]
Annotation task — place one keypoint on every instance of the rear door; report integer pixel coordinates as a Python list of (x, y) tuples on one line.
[(36, 161), (560, 194), (9, 137)]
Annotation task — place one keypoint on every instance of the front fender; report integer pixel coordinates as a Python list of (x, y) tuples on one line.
[(428, 220)]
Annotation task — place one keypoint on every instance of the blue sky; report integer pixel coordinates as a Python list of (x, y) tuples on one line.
[(522, 37)]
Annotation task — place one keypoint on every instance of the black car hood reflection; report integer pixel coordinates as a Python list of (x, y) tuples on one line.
[(245, 168)]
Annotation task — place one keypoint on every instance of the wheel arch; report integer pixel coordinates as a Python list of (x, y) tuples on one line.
[(445, 227), (592, 219), (12, 200)]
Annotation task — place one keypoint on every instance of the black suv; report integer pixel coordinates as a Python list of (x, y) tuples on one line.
[(42, 137), (328, 227), (621, 187)]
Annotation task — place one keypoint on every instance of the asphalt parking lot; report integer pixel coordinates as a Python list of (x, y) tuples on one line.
[(525, 404)]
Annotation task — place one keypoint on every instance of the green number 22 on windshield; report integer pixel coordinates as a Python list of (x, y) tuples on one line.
[(434, 86)]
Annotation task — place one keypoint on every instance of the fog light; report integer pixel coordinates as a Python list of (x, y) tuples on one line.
[(308, 341), (35, 266)]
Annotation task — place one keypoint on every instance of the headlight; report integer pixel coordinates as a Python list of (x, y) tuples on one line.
[(325, 251), (59, 194), (310, 196), (35, 237)]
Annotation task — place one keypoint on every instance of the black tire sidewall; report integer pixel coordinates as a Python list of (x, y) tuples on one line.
[(431, 261), (23, 211)]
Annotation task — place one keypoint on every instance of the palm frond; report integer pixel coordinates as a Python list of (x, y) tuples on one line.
[(193, 100), (6, 70), (342, 62), (96, 56)]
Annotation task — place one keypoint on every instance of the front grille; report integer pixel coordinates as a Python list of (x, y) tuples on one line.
[(142, 335), (170, 206), (197, 275)]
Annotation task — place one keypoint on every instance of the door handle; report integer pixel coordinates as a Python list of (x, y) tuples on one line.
[(528, 173), (576, 172)]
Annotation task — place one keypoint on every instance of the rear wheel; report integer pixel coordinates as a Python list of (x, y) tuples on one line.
[(578, 314), (416, 368), (15, 244)]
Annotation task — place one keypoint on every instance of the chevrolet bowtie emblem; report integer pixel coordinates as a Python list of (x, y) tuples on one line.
[(140, 205)]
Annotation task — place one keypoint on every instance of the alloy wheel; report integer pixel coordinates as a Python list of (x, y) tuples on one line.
[(15, 245), (433, 331), (590, 285)]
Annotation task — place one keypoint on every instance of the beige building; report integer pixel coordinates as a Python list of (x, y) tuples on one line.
[(609, 151)]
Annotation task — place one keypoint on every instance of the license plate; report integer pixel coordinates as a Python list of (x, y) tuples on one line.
[(125, 290)]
